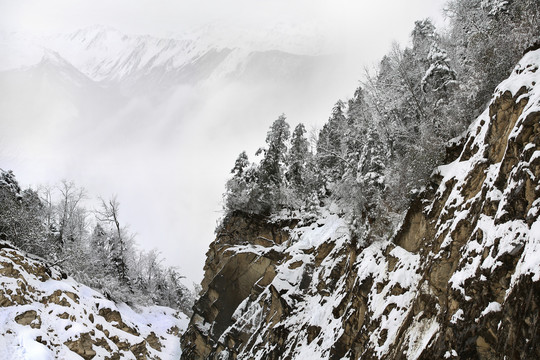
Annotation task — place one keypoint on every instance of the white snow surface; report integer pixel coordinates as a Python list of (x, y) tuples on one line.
[(74, 315), (492, 307)]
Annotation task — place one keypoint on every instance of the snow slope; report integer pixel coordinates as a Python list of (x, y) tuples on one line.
[(44, 315)]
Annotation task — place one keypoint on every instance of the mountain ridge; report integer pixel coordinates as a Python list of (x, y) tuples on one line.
[(105, 54)]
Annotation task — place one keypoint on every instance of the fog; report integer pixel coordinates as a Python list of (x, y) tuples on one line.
[(167, 153)]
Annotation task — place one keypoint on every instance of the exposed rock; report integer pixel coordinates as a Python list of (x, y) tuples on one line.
[(115, 318), (153, 341), (28, 318), (139, 350), (62, 298), (82, 346)]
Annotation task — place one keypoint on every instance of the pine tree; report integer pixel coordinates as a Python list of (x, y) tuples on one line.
[(273, 163), (298, 157), (240, 165), (330, 146), (359, 121), (302, 177), (21, 215), (268, 194), (240, 194), (439, 76), (423, 36)]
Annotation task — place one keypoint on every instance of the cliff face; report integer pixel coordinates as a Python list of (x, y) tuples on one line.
[(460, 279), (44, 315)]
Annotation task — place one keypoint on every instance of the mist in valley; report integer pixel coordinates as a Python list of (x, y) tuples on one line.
[(162, 133)]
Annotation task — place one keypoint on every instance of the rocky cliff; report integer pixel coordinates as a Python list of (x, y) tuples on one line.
[(459, 280), (45, 315)]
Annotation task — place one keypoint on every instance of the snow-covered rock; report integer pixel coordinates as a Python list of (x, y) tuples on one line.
[(460, 279), (46, 315)]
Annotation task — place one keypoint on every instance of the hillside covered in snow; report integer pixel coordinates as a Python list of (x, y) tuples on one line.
[(46, 315), (460, 279)]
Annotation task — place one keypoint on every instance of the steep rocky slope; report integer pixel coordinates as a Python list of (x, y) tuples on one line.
[(460, 279), (44, 315)]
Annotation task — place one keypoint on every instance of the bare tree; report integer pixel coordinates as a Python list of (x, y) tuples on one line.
[(109, 213), (118, 243), (46, 197), (69, 212)]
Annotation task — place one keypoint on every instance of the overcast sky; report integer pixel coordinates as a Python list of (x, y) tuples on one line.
[(178, 215)]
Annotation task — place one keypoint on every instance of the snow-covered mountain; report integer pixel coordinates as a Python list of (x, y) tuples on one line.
[(105, 54)]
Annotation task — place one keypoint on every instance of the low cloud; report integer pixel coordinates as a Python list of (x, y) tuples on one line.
[(167, 155)]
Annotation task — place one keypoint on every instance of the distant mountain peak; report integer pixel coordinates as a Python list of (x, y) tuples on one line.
[(105, 54)]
